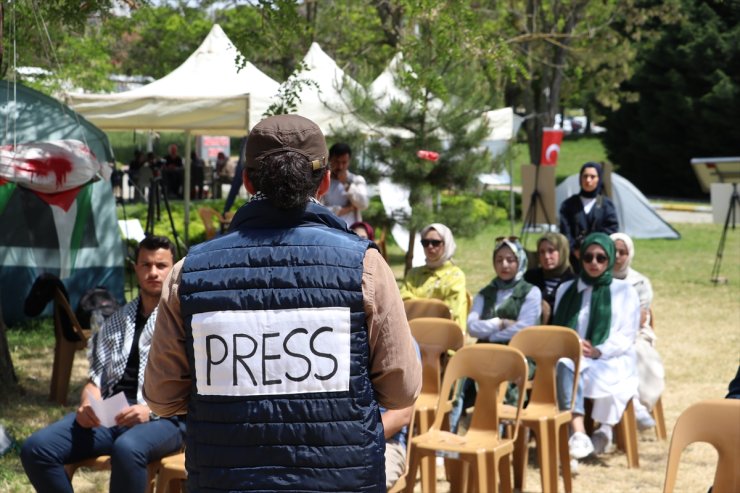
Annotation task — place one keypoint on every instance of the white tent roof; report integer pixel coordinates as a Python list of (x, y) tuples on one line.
[(385, 90), (204, 95), (636, 216), (322, 101)]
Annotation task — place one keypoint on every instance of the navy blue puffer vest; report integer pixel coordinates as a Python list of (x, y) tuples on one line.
[(277, 342)]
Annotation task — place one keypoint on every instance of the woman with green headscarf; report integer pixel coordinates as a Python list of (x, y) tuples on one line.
[(606, 314)]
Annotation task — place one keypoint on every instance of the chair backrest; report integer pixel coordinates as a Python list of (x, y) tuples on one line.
[(435, 337), (207, 214), (716, 422), (546, 344), (489, 365), (63, 309), (426, 307)]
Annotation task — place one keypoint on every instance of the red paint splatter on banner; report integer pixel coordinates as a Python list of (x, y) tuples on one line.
[(60, 166), (61, 199)]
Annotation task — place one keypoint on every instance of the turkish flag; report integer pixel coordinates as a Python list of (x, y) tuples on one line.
[(551, 140)]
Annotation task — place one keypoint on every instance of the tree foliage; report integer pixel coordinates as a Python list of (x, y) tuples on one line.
[(577, 51), (445, 50), (688, 83)]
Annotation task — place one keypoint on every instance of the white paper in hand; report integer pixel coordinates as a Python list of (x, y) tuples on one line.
[(107, 409)]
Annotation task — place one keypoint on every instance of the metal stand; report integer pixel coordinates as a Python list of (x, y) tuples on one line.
[(157, 194), (534, 202), (734, 202)]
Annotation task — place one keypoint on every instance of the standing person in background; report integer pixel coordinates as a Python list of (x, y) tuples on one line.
[(440, 278), (347, 195), (589, 211), (553, 254), (197, 170), (118, 356), (237, 180), (281, 339), (172, 171)]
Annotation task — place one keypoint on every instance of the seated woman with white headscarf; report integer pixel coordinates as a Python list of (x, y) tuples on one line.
[(508, 303), (440, 278), (649, 364), (504, 307), (606, 313)]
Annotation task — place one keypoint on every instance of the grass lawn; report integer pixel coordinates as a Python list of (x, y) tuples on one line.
[(698, 325)]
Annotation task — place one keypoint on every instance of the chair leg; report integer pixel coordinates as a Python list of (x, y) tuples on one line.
[(657, 414), (504, 473), (483, 476), (64, 355), (565, 458), (425, 418), (627, 436), (547, 450), (521, 457), (414, 466)]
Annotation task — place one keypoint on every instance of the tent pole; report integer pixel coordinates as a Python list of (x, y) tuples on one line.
[(511, 192), (186, 188)]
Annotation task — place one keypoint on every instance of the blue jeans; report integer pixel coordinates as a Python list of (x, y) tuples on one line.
[(564, 383), (45, 452)]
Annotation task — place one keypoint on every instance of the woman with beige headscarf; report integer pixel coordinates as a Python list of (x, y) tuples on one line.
[(553, 253), (439, 278)]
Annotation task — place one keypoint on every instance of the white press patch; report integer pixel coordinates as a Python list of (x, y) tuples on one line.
[(272, 352)]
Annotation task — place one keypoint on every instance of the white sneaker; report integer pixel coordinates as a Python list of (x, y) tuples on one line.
[(644, 420), (600, 442), (580, 445)]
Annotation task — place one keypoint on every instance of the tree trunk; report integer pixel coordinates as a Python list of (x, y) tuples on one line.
[(410, 252), (8, 378)]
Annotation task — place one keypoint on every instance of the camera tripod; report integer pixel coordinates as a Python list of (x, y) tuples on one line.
[(734, 202), (157, 195), (530, 221)]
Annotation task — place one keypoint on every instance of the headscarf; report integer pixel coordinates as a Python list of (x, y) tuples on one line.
[(449, 244), (521, 257), (511, 307), (600, 316), (366, 226), (560, 242), (599, 186), (622, 273)]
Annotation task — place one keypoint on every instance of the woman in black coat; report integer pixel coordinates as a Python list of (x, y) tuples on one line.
[(590, 211)]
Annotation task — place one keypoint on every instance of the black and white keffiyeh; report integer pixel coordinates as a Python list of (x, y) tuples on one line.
[(108, 349)]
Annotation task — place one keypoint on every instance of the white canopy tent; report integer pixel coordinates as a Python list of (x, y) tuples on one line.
[(207, 94), (323, 100)]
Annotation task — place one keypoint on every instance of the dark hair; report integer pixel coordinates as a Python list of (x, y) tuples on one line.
[(339, 149), (287, 179), (154, 242)]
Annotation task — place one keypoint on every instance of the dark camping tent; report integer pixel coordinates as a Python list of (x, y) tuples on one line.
[(74, 234)]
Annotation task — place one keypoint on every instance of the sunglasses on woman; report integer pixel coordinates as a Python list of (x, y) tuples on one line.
[(434, 243), (600, 258), (507, 238)]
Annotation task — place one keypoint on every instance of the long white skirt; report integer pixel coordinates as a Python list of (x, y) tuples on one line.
[(611, 383)]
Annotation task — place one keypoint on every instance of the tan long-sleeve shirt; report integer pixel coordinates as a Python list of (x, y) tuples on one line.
[(394, 370)]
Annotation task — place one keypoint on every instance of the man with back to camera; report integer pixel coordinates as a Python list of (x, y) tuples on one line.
[(347, 194), (281, 338), (117, 355)]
